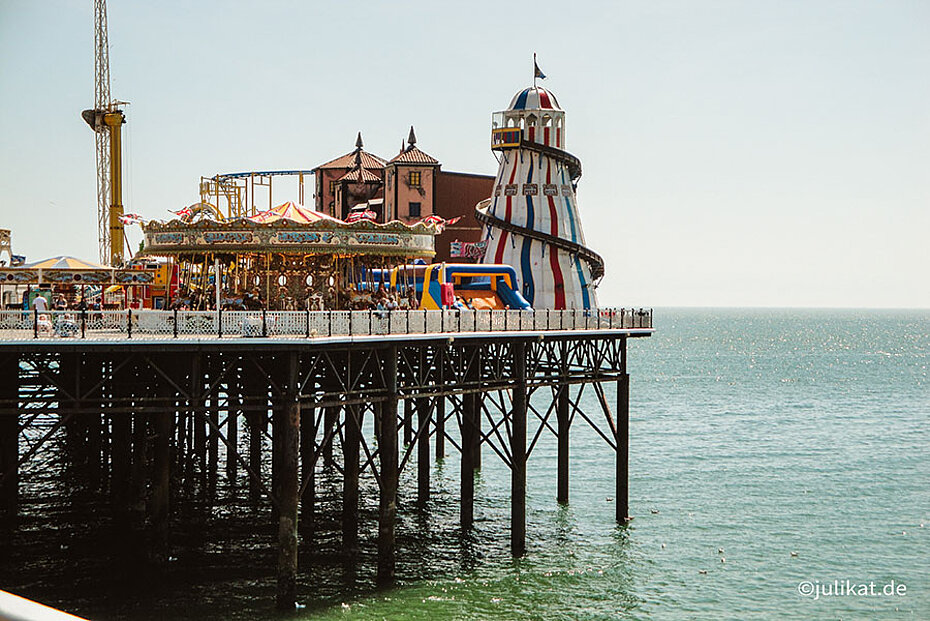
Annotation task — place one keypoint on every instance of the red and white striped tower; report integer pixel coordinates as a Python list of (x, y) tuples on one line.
[(532, 221)]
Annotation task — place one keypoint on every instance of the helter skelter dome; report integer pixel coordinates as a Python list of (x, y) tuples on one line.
[(534, 98), (532, 221)]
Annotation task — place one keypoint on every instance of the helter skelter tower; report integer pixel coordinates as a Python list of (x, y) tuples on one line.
[(532, 221)]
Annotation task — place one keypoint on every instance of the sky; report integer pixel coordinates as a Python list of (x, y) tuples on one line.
[(735, 153)]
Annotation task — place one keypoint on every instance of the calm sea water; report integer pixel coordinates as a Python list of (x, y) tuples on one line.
[(793, 444)]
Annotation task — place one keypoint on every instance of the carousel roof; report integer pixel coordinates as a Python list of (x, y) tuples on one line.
[(293, 212), (65, 262)]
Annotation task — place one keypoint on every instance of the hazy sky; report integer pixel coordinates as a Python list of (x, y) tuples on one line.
[(735, 153)]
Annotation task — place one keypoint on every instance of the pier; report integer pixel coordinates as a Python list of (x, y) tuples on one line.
[(153, 402)]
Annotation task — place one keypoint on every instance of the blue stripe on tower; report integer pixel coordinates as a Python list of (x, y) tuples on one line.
[(568, 206), (526, 263), (585, 298), (521, 101)]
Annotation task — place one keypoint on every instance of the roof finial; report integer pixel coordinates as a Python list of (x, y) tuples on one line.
[(412, 138), (358, 141), (402, 145)]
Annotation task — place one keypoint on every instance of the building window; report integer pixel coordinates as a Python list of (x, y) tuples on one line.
[(415, 208), (414, 178)]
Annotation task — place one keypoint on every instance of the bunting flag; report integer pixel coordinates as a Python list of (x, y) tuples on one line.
[(439, 222), (131, 218), (357, 216), (183, 213)]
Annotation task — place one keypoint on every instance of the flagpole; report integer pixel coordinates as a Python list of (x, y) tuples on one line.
[(534, 69)]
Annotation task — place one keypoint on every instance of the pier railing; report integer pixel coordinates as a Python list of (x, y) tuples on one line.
[(153, 324)]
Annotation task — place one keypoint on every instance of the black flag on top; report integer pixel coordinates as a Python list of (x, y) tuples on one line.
[(537, 72)]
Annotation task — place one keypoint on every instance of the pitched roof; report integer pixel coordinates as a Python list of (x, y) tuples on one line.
[(413, 155), (360, 175), (64, 262), (290, 211), (348, 161)]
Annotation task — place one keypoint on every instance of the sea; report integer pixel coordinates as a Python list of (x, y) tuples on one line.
[(779, 469)]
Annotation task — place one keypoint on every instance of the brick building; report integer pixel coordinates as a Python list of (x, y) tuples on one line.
[(408, 187)]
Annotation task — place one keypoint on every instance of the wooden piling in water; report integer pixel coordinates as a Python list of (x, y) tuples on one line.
[(350, 490), (163, 426), (564, 426), (308, 459), (9, 436), (623, 448), (423, 460), (470, 439), (233, 409), (330, 419), (518, 452), (408, 421), (387, 445), (288, 430)]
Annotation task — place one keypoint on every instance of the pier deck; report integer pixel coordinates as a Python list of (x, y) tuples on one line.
[(154, 399)]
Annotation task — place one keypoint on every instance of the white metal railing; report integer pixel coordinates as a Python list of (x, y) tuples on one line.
[(152, 324)]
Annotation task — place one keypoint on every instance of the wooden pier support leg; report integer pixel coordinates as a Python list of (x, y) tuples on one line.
[(289, 490), (440, 427), (255, 452), (213, 443), (308, 467), (623, 448), (121, 430), (408, 422), (479, 407), (330, 418), (9, 436), (163, 425), (139, 469), (387, 444), (562, 403), (350, 491), (470, 432), (423, 461), (233, 409), (518, 453), (121, 461)]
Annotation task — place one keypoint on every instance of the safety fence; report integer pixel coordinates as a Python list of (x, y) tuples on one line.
[(155, 324)]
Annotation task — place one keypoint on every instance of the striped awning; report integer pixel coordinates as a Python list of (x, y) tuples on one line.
[(64, 262), (293, 212)]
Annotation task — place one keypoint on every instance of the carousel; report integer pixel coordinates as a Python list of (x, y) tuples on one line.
[(286, 258)]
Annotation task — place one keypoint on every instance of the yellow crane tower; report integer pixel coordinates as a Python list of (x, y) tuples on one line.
[(106, 119)]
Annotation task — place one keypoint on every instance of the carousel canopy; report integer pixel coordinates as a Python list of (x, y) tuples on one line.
[(64, 262), (293, 212), (65, 270)]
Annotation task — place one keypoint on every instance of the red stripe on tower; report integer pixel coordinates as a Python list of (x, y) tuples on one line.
[(499, 254), (553, 252), (546, 136)]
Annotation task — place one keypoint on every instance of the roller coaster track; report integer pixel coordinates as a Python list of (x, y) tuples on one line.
[(593, 259)]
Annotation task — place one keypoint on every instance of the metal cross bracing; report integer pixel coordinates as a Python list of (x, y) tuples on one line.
[(154, 417)]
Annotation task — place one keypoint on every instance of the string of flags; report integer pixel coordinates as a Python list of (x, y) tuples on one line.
[(439, 222), (183, 214), (357, 216), (131, 218)]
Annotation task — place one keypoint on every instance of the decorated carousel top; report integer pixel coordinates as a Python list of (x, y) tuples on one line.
[(290, 229), (67, 270)]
